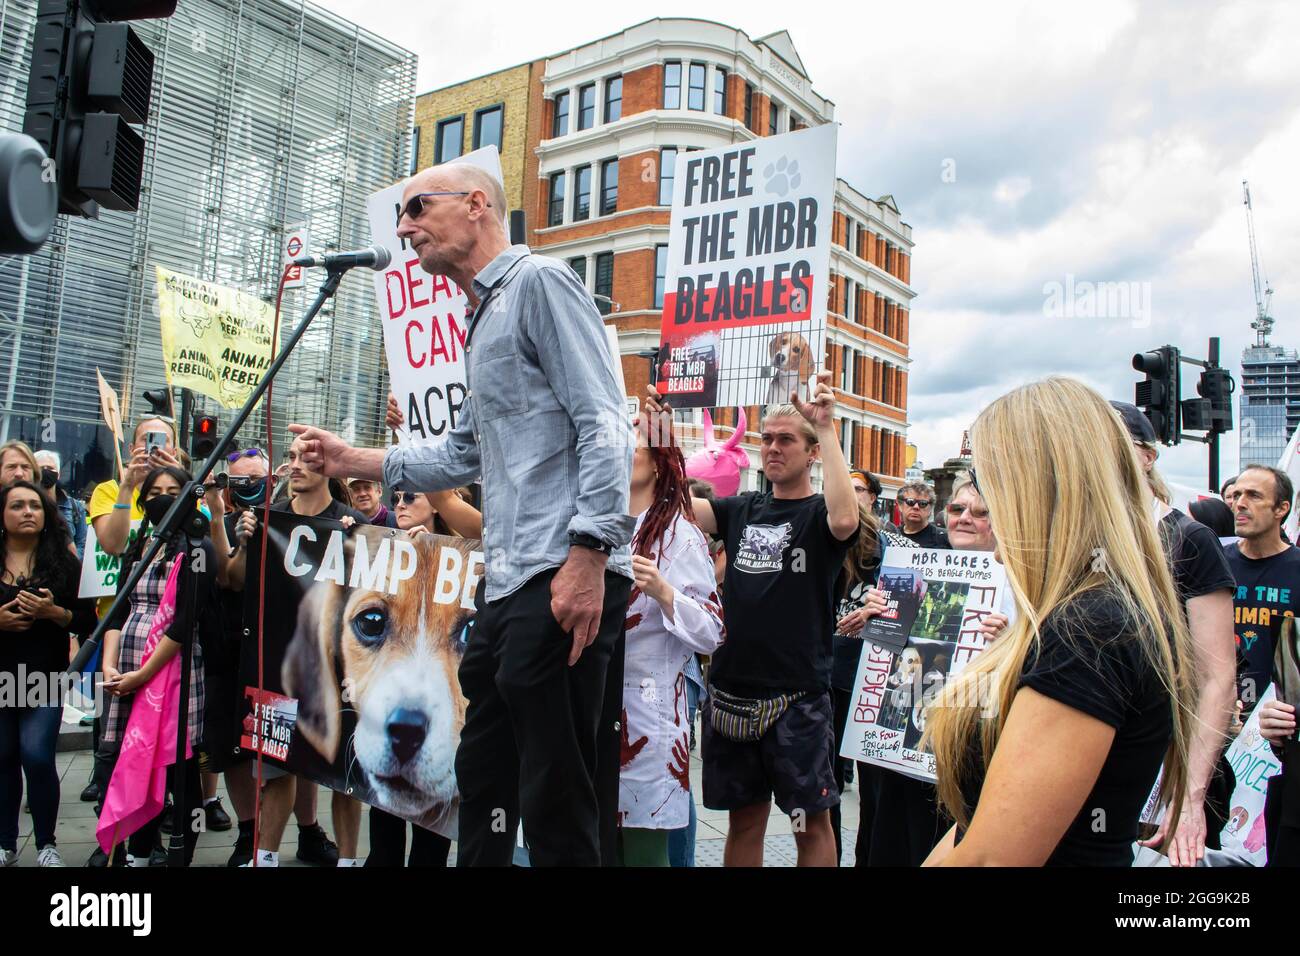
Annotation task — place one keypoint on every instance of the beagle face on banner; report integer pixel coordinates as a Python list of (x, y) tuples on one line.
[(791, 360), (392, 658)]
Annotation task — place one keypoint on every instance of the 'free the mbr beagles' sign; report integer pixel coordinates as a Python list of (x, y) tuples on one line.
[(745, 285)]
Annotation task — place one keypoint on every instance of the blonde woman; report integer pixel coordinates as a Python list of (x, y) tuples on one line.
[(1048, 743)]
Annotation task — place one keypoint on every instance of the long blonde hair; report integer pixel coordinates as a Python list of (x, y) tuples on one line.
[(865, 548), (1073, 510)]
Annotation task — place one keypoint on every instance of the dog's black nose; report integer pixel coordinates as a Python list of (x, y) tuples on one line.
[(406, 731)]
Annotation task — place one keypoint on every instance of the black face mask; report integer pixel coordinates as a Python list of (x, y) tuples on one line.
[(252, 497), (156, 508), (49, 477)]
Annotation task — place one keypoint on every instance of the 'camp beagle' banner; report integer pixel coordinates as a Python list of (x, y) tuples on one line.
[(748, 270), (363, 637)]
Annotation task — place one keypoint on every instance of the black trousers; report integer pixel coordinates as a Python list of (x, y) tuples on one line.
[(143, 840), (840, 700), (899, 820), (530, 742), (1282, 810), (388, 843)]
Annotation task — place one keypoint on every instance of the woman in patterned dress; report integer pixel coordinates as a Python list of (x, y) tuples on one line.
[(673, 614), (124, 670)]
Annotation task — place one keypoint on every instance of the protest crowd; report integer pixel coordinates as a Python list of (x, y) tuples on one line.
[(629, 614)]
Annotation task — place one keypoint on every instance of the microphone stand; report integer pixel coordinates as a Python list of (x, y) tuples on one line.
[(178, 522), (171, 523), (187, 596)]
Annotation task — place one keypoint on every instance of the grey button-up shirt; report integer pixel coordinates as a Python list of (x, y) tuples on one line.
[(543, 423)]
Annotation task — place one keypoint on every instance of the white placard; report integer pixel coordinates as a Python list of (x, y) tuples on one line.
[(99, 569), (424, 322)]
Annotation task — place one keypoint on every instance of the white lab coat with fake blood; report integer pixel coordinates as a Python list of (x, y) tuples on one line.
[(654, 780)]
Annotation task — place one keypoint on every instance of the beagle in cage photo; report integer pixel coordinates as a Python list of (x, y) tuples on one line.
[(791, 359), (391, 659)]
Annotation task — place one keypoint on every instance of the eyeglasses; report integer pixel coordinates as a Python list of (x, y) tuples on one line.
[(861, 490), (415, 205), (979, 514), (234, 456), (403, 497), (916, 502)]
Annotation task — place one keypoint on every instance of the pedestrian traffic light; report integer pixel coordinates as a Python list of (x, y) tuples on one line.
[(1158, 395), (203, 438), (91, 79), (1216, 386)]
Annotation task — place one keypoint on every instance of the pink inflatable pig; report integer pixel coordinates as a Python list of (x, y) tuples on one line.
[(719, 465)]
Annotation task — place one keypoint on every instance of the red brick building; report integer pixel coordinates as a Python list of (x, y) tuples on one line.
[(600, 130)]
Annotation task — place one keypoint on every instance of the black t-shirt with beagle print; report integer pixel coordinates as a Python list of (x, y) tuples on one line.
[(778, 594)]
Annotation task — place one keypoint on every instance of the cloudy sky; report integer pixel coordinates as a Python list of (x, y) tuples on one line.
[(1029, 145)]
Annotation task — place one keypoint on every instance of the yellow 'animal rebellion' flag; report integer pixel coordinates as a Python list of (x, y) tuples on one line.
[(215, 340)]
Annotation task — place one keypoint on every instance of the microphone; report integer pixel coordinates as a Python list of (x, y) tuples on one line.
[(372, 257)]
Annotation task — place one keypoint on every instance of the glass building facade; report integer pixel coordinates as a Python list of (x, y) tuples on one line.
[(265, 114), (1270, 403)]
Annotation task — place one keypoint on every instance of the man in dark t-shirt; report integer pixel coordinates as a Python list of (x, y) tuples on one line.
[(311, 497), (1267, 571), (916, 504), (784, 551), (1205, 588)]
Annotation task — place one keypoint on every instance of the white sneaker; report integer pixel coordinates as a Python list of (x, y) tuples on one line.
[(8, 857), (49, 857), (265, 858)]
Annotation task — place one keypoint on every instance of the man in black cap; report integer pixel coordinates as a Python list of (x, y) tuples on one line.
[(1205, 587)]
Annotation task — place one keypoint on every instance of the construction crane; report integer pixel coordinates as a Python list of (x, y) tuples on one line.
[(1263, 323)]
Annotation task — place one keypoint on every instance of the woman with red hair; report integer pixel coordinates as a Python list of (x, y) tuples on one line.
[(673, 614)]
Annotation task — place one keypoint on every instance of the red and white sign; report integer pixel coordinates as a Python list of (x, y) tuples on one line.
[(748, 271), (424, 322), (297, 242)]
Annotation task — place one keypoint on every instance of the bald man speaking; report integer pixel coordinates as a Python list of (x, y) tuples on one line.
[(541, 409)]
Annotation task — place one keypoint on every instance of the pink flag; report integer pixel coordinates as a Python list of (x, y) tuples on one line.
[(139, 782)]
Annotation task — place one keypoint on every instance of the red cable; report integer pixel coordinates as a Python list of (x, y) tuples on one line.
[(261, 576)]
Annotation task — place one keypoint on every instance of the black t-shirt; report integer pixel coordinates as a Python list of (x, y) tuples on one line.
[(1195, 557), (1089, 658), (232, 602), (782, 563), (929, 537), (1268, 590), (334, 511), (200, 619), (43, 647)]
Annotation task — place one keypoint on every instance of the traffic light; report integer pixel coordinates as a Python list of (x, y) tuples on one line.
[(1215, 387), (204, 437), (160, 402), (1158, 395), (90, 80)]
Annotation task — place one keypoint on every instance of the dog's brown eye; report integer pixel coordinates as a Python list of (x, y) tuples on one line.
[(370, 625)]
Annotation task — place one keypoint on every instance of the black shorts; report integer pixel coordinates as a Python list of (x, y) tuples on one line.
[(794, 761)]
